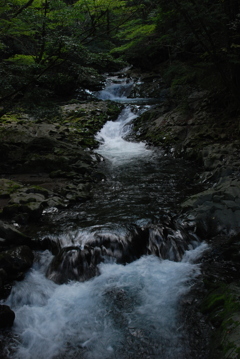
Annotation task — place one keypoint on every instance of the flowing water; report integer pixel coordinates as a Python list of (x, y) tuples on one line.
[(128, 236)]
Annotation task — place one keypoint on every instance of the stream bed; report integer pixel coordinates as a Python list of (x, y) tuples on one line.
[(139, 262)]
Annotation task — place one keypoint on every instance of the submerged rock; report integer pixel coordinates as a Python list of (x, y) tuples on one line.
[(73, 263), (167, 241)]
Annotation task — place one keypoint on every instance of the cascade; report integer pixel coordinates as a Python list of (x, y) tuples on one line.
[(125, 261)]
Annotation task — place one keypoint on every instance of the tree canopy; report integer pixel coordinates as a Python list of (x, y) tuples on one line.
[(51, 48)]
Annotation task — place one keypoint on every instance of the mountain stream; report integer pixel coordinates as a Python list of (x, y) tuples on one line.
[(138, 260)]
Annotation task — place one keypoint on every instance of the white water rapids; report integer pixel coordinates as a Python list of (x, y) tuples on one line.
[(127, 312), (114, 147)]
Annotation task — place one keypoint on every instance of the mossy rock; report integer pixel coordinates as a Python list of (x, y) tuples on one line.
[(7, 187), (33, 210), (26, 198)]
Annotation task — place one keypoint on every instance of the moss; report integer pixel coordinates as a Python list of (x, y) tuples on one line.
[(8, 187), (113, 110), (222, 306), (161, 138), (76, 114), (220, 298), (9, 118)]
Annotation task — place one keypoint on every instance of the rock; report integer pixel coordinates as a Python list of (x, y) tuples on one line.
[(3, 281), (63, 174), (57, 202), (11, 236), (81, 167), (7, 316), (46, 163), (73, 263), (15, 261), (7, 187), (40, 151), (217, 209), (25, 198), (31, 210), (42, 144)]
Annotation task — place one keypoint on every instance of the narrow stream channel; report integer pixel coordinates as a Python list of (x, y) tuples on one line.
[(131, 308)]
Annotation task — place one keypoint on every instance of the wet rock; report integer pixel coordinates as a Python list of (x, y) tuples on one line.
[(11, 236), (7, 316), (122, 249), (168, 243), (78, 196), (3, 281), (27, 201), (216, 210), (16, 261), (47, 243), (73, 263), (31, 210), (57, 202)]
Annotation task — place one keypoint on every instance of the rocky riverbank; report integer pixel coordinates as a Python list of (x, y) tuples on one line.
[(49, 163), (46, 164)]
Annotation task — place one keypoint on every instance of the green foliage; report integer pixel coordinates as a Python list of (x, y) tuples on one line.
[(19, 59), (134, 33), (52, 47), (40, 39)]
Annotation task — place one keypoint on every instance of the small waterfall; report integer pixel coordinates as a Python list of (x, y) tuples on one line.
[(80, 262), (113, 146), (116, 89)]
